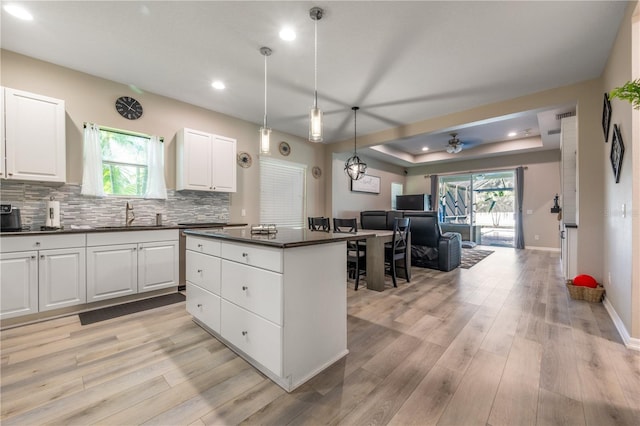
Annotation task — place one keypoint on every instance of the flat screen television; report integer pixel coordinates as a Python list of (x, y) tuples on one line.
[(413, 202)]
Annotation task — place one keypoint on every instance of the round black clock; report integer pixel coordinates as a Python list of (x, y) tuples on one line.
[(128, 107)]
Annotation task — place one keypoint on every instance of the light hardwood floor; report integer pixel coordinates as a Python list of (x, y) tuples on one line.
[(498, 344)]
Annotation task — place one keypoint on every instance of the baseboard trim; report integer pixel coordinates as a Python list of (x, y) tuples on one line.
[(629, 342), (543, 248)]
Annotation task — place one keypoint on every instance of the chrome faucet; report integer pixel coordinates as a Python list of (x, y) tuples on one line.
[(129, 216)]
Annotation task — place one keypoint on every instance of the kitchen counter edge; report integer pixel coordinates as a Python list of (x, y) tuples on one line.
[(117, 229)]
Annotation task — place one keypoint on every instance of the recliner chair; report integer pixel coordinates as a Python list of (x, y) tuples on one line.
[(429, 246)]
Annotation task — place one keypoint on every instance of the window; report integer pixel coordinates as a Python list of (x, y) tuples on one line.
[(282, 193), (124, 163), (396, 189)]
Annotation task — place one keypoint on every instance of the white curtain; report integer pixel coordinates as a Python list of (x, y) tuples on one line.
[(92, 162), (156, 187)]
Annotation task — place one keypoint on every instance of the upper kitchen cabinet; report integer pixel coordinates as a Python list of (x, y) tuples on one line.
[(34, 144), (205, 162)]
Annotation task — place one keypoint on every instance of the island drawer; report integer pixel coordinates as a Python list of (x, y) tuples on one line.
[(203, 245), (261, 257), (255, 336), (204, 306), (257, 290), (203, 270)]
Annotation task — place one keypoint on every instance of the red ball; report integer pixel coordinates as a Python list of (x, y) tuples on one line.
[(585, 280)]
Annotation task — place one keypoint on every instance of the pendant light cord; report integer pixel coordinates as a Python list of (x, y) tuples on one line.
[(315, 66), (355, 120), (265, 91)]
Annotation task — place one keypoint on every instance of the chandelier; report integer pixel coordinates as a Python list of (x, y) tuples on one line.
[(354, 167)]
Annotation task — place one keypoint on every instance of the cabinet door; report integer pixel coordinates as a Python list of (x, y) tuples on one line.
[(62, 278), (2, 156), (157, 265), (34, 124), (194, 160), (112, 271), (204, 306), (18, 284), (224, 164)]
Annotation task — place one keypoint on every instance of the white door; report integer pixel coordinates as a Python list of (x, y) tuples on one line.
[(197, 161), (34, 124), (18, 284), (157, 265), (224, 164), (62, 278), (112, 271)]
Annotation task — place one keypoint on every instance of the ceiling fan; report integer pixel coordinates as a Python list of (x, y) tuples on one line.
[(455, 146)]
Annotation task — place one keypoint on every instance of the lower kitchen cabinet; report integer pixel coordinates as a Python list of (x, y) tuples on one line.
[(19, 290), (112, 271), (40, 273), (204, 306), (123, 263), (62, 278)]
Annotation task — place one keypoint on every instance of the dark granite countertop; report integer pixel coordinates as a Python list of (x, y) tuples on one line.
[(284, 238), (117, 228)]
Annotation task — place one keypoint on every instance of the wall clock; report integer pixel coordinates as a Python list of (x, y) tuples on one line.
[(284, 148), (129, 108), (244, 159)]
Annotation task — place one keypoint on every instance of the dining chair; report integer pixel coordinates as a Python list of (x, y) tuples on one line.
[(319, 224), (397, 249), (355, 255)]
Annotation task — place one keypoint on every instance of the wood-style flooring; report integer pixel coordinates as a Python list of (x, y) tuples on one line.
[(498, 344)]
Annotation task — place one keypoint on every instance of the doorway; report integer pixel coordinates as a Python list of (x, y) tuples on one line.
[(480, 205)]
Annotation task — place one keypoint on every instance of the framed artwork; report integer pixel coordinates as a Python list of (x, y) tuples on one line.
[(617, 152), (606, 117), (368, 183)]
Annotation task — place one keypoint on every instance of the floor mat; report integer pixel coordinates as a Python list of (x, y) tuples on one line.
[(472, 256), (129, 308)]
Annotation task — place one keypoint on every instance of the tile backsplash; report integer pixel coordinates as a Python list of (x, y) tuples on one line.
[(76, 209)]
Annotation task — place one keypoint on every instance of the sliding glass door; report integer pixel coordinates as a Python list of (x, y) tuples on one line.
[(480, 205)]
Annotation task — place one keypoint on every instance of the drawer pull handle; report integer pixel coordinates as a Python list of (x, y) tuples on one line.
[(42, 256), (199, 245), (37, 243), (199, 271), (245, 288), (244, 333), (33, 257), (245, 254), (199, 305)]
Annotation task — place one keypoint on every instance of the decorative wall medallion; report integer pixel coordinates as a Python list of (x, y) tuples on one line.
[(284, 148), (244, 159), (316, 172)]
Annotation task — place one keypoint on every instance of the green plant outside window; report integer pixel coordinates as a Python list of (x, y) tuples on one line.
[(124, 163)]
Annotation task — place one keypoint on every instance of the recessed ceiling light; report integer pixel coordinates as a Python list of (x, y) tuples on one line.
[(287, 34), (19, 12), (425, 148), (218, 85), (512, 134)]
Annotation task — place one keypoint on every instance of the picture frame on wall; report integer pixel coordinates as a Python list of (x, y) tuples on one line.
[(367, 183), (617, 152), (606, 117)]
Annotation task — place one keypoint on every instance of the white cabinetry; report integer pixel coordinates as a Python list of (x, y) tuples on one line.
[(40, 273), (281, 309), (123, 263), (569, 169), (34, 130), (205, 162), (569, 251)]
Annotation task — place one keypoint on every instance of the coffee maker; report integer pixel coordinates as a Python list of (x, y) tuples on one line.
[(10, 218)]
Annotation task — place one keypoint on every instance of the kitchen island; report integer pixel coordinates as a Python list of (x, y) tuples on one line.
[(278, 301)]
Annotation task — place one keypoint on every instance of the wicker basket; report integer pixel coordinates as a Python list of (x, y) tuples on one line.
[(585, 293)]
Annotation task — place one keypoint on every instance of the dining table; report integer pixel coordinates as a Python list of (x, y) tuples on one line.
[(375, 241)]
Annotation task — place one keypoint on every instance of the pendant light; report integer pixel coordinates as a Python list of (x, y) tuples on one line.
[(315, 116), (354, 167), (265, 132)]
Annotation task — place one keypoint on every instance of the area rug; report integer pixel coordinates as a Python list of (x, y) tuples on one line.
[(472, 256), (129, 308)]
